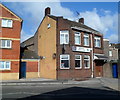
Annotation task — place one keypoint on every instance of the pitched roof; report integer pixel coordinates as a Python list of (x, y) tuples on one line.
[(75, 24), (11, 12), (28, 54)]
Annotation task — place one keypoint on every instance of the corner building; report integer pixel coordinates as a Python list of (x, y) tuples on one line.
[(68, 49)]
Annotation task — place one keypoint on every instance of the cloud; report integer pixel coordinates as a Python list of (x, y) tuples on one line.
[(33, 13), (100, 23), (113, 38)]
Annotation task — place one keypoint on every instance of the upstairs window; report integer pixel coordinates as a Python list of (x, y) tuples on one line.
[(78, 62), (86, 39), (97, 42), (110, 53), (5, 65), (64, 61), (7, 23), (87, 62), (64, 37), (5, 43), (77, 38)]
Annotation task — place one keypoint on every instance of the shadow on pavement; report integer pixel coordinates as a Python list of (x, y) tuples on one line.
[(76, 93)]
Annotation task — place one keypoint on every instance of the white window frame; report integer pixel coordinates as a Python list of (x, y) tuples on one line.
[(65, 59), (6, 41), (80, 62), (86, 35), (4, 65), (87, 60), (77, 35), (48, 25), (110, 53), (95, 42), (5, 23), (64, 32)]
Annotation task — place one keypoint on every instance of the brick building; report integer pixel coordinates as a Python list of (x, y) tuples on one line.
[(112, 66), (67, 49), (10, 28)]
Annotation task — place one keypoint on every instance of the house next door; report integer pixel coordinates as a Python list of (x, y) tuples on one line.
[(23, 70)]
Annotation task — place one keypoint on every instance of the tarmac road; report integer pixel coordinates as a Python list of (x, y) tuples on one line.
[(83, 90)]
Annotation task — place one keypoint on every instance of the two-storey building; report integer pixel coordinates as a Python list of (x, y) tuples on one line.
[(67, 49), (10, 28)]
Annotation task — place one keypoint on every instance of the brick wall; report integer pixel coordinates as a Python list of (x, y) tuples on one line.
[(13, 34)]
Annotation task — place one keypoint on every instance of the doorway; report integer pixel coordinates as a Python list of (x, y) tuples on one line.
[(23, 70)]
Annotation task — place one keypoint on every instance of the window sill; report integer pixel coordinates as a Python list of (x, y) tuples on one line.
[(5, 48), (79, 68), (5, 69), (64, 68), (87, 67), (7, 27)]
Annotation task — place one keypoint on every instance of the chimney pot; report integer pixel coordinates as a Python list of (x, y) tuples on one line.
[(47, 11), (81, 20)]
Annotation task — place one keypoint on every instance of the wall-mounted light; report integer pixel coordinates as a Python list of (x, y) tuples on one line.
[(54, 55)]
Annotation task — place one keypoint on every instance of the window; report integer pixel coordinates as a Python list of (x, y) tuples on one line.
[(64, 61), (4, 65), (48, 25), (64, 37), (110, 53), (86, 39), (78, 62), (97, 42), (77, 38), (86, 62), (7, 23), (5, 43)]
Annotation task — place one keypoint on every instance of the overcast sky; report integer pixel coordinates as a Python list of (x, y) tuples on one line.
[(102, 16)]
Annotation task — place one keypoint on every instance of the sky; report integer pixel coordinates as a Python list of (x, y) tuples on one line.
[(101, 16)]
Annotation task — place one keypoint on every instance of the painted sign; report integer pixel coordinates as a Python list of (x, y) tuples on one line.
[(81, 49)]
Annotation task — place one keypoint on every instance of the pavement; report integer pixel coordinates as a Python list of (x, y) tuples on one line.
[(107, 82)]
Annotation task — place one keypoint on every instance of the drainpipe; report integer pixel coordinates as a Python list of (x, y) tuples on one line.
[(38, 68), (92, 75)]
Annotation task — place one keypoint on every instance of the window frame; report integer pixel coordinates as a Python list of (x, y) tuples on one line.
[(7, 23), (80, 62), (87, 60), (4, 64), (97, 38), (110, 53), (67, 33), (6, 42), (86, 35), (65, 59), (79, 35)]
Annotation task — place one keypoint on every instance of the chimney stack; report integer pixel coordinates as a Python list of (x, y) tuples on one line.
[(47, 11), (81, 20)]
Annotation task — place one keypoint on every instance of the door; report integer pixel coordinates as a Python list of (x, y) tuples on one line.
[(115, 70), (98, 69), (23, 70)]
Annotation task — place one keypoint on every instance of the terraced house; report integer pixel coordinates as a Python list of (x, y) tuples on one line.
[(67, 49), (10, 28)]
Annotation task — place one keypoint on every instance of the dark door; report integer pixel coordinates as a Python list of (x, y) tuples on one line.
[(23, 70), (115, 70)]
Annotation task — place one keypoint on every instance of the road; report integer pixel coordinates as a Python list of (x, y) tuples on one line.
[(52, 91)]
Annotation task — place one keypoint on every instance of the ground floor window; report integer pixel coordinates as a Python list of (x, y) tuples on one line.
[(5, 65), (86, 61), (78, 63), (64, 61)]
